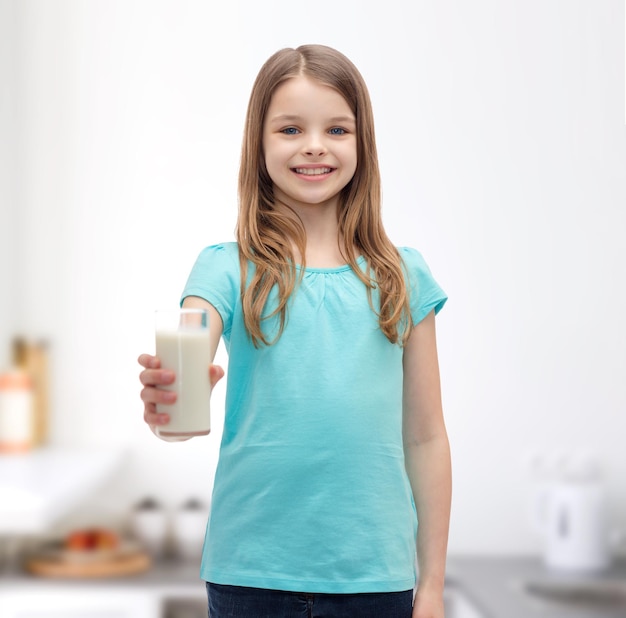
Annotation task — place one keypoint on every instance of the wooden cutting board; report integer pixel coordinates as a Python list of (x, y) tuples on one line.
[(112, 566)]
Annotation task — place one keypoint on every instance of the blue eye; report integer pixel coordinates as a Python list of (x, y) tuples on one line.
[(290, 131), (337, 131)]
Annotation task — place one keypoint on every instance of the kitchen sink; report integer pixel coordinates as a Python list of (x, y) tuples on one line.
[(457, 605), (600, 595)]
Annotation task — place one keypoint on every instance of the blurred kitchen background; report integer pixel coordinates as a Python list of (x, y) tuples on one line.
[(502, 141)]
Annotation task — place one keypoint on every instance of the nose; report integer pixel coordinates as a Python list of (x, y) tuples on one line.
[(315, 146)]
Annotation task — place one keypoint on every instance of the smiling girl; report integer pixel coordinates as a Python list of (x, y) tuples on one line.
[(334, 443)]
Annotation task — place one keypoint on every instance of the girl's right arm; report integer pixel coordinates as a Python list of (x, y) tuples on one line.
[(153, 376)]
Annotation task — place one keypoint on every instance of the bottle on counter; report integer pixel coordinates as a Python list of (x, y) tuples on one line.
[(31, 357), (16, 411)]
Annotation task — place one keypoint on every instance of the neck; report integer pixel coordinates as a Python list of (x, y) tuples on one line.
[(322, 237), (323, 248)]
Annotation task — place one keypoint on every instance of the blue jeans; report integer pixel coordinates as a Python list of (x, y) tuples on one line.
[(243, 602)]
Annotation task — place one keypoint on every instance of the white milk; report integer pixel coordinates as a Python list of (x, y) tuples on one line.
[(187, 353)]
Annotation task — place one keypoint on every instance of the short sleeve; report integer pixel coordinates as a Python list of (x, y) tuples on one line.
[(425, 293), (215, 278)]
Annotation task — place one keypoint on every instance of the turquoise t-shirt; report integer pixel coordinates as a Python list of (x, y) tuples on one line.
[(311, 492)]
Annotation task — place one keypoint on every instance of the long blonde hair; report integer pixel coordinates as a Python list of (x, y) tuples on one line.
[(265, 234)]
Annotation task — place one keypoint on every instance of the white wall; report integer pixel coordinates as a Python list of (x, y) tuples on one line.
[(8, 189), (503, 148)]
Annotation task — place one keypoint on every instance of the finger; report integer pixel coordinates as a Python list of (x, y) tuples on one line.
[(154, 418), (216, 373), (153, 395), (153, 377), (148, 361)]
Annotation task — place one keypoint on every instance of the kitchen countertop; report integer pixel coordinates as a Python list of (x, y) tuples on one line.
[(495, 585)]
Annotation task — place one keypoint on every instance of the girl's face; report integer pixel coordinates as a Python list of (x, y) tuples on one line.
[(309, 142)]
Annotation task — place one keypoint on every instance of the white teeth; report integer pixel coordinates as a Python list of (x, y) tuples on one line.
[(316, 171)]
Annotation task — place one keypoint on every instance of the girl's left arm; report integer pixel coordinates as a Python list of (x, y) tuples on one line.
[(427, 460)]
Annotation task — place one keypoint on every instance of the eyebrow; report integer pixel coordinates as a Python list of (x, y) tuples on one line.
[(295, 117)]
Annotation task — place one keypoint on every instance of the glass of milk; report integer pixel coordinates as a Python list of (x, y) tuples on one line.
[(182, 345)]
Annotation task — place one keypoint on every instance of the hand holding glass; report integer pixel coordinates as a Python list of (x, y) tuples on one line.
[(183, 346)]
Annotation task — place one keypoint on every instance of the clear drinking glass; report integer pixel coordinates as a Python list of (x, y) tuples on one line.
[(182, 344)]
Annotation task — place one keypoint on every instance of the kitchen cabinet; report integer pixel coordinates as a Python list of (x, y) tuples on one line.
[(68, 603), (457, 604)]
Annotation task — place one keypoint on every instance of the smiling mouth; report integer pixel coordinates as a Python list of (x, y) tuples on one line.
[(313, 171)]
